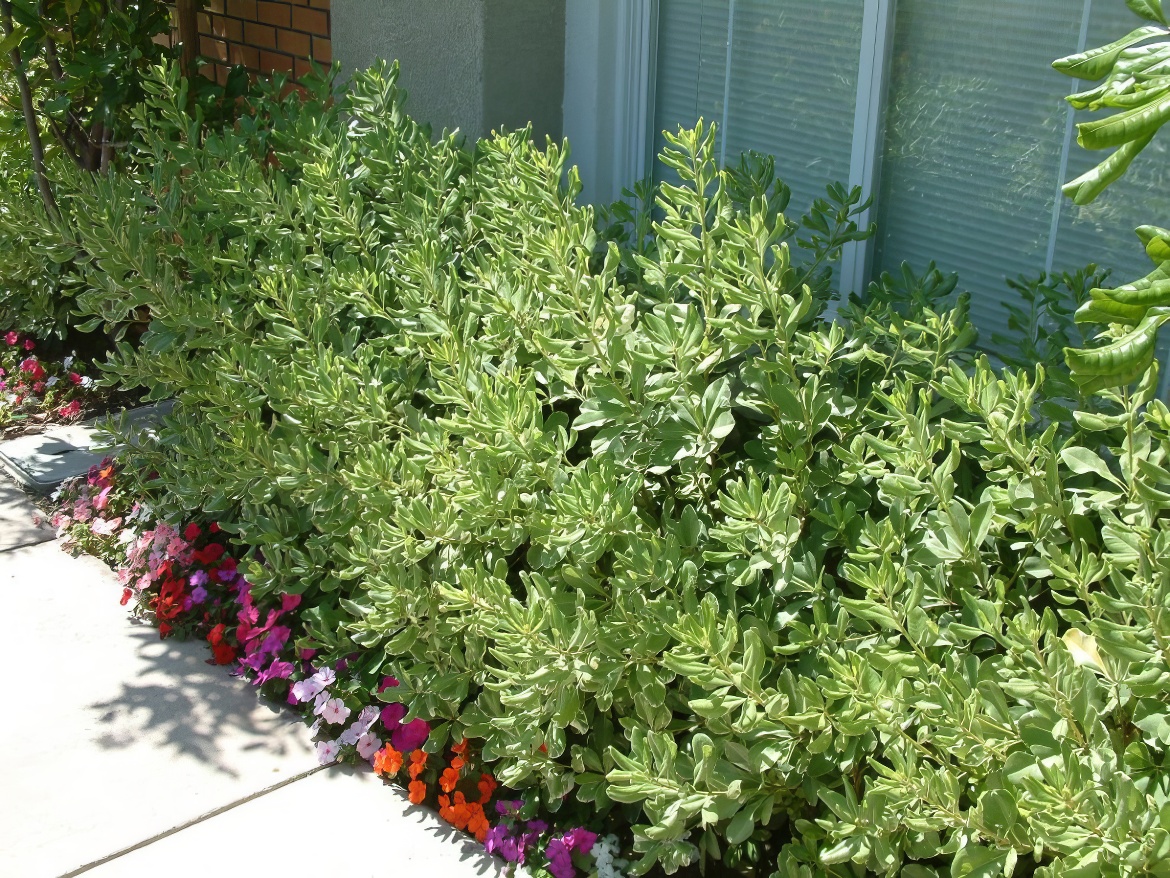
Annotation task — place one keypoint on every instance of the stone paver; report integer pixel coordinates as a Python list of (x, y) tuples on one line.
[(337, 822), (42, 461), (16, 519), (112, 737)]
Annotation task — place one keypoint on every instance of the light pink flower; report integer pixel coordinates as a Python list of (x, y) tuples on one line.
[(327, 751), (335, 711), (368, 744)]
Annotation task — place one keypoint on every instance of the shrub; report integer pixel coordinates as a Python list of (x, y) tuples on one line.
[(633, 514)]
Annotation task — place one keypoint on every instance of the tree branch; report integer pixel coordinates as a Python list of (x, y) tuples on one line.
[(30, 115)]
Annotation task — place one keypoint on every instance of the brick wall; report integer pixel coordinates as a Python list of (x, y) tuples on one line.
[(265, 36)]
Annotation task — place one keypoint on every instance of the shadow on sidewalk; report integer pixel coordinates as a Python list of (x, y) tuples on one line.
[(191, 708)]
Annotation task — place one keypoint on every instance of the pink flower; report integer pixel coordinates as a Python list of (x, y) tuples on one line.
[(306, 690), (327, 751), (103, 498), (104, 528), (29, 344), (387, 683), (368, 744), (12, 338), (71, 410), (74, 378), (335, 711)]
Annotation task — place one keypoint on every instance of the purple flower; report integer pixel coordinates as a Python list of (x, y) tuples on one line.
[(198, 594), (580, 840), (276, 639), (199, 577), (498, 841), (410, 736), (560, 859), (508, 807)]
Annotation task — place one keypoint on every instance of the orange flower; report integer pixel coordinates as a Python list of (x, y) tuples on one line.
[(457, 763), (387, 761), (457, 813), (477, 823), (418, 792), (487, 786), (418, 764), (460, 749), (449, 779)]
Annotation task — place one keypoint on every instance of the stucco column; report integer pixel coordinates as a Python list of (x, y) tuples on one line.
[(468, 64)]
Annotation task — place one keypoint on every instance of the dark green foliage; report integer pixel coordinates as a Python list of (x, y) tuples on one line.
[(814, 596)]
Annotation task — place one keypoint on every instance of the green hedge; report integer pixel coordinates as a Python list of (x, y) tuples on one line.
[(815, 597)]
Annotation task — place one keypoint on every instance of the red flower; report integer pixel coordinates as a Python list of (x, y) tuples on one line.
[(163, 629), (74, 377), (215, 635), (72, 410), (224, 653), (209, 554), (191, 532), (126, 595), (213, 527)]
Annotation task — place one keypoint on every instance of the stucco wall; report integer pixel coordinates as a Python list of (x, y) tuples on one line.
[(470, 64)]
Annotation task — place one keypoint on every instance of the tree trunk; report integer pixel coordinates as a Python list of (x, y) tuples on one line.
[(187, 14), (30, 116)]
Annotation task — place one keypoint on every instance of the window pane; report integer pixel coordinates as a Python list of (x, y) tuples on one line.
[(790, 89), (974, 129)]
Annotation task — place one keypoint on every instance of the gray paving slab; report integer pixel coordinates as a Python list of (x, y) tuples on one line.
[(110, 736), (17, 527), (42, 461), (338, 822)]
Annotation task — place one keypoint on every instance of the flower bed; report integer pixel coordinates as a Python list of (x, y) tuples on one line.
[(186, 582), (39, 389)]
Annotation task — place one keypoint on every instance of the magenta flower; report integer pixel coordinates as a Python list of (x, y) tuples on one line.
[(410, 736), (278, 670), (392, 715)]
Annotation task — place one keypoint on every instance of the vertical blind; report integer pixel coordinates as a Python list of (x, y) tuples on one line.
[(977, 133)]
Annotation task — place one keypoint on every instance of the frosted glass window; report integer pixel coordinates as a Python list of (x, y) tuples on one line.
[(789, 87), (975, 125)]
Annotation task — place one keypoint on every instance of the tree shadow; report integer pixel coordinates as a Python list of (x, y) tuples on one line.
[(194, 710)]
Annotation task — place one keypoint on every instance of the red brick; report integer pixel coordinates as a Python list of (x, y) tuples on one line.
[(302, 68), (230, 29), (273, 13), (322, 50), (319, 4), (293, 43), (245, 56), (211, 48), (270, 61), (245, 9), (311, 21), (260, 35), (204, 21), (215, 6)]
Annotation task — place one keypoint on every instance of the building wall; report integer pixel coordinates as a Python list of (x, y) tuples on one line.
[(265, 36), (474, 65)]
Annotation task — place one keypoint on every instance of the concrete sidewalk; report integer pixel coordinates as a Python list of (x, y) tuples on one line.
[(123, 755)]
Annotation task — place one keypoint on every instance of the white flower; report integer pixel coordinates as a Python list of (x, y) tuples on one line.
[(319, 704), (49, 382), (368, 745), (67, 362), (327, 751), (86, 382), (350, 736)]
